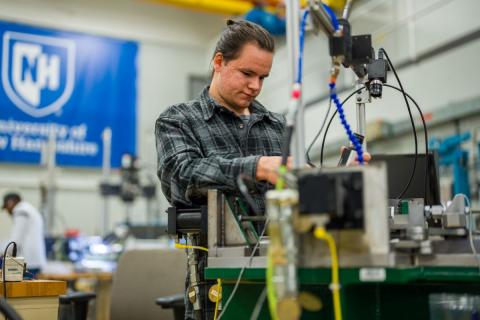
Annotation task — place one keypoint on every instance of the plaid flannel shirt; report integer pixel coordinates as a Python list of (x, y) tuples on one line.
[(202, 145)]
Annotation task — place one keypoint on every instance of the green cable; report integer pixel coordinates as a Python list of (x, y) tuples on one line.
[(281, 180), (272, 299)]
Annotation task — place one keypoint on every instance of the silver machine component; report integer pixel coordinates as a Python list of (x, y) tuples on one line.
[(389, 238), (454, 216), (430, 235), (347, 9), (192, 263), (106, 170), (362, 98), (320, 17), (282, 207), (229, 240), (366, 246)]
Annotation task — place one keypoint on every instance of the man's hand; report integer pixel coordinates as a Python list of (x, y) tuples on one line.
[(267, 168), (366, 158)]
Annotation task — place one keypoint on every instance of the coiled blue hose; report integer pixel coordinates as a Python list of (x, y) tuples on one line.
[(346, 126)]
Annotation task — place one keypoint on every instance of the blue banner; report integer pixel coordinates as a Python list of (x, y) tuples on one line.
[(74, 84)]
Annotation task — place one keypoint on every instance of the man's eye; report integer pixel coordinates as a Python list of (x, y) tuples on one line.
[(246, 73)]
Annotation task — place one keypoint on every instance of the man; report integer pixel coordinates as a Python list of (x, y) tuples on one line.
[(27, 232), (206, 143)]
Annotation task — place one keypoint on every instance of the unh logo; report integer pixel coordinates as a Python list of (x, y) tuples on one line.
[(38, 72)]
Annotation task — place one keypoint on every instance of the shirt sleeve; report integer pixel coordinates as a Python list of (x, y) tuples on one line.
[(184, 172)]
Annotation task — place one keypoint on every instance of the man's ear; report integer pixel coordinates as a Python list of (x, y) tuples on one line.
[(217, 61)]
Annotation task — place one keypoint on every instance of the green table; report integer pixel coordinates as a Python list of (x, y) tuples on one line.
[(404, 293)]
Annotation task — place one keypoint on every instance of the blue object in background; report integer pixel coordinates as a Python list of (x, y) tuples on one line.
[(451, 154), (72, 83), (272, 23)]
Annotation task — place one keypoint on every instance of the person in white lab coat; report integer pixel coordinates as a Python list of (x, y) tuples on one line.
[(27, 232)]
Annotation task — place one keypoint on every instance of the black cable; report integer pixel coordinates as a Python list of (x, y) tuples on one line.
[(330, 122), (8, 311), (425, 131), (307, 154), (411, 120), (4, 262), (286, 144), (244, 190)]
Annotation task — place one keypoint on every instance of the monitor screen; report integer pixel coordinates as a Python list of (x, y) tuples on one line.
[(399, 168)]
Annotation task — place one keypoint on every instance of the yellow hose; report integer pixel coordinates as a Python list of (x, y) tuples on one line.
[(281, 180), (322, 234), (219, 284), (272, 299), (186, 246)]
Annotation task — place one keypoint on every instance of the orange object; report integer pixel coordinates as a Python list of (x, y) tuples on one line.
[(72, 233), (428, 116)]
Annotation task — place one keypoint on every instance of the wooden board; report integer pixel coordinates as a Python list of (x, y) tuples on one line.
[(100, 276), (34, 288)]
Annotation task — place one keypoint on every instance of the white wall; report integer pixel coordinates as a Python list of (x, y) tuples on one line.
[(405, 29), (172, 47)]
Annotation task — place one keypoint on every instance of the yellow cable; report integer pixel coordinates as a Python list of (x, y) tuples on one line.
[(322, 234), (272, 299), (186, 246), (281, 180), (219, 292)]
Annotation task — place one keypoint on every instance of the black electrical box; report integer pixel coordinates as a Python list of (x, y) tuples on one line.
[(362, 50), (377, 69), (338, 194)]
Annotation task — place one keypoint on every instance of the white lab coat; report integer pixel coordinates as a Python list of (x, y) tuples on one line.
[(27, 232)]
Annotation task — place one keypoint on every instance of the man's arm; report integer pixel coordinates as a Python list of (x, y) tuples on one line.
[(184, 173)]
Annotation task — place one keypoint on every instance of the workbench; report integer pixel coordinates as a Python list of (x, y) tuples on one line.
[(366, 293), (35, 299)]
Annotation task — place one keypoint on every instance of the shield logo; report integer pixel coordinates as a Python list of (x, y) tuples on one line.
[(38, 72)]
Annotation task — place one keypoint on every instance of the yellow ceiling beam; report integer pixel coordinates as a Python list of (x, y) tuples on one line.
[(229, 7)]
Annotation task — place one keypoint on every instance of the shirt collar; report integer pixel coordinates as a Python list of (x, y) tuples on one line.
[(210, 106)]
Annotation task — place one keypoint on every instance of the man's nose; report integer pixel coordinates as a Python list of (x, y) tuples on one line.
[(255, 83)]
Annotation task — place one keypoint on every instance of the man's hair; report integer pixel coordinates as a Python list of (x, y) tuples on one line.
[(11, 196), (239, 33)]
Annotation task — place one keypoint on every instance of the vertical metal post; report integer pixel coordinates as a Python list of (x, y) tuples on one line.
[(293, 45), (50, 185), (128, 213), (150, 217), (347, 9), (106, 169), (362, 97)]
